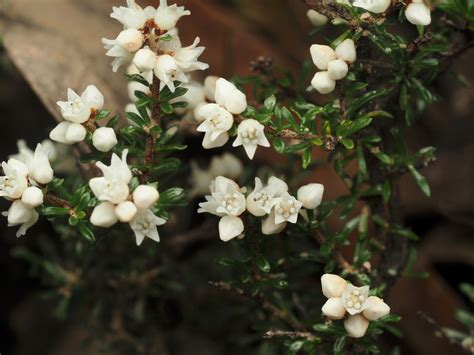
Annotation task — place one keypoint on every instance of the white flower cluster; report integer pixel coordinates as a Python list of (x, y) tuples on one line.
[(150, 40), (226, 165), (345, 298), (332, 63), (76, 112), (417, 12), (227, 200), (219, 119), (24, 177), (118, 204)]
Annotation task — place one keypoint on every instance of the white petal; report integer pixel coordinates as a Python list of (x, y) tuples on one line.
[(75, 133), (104, 215), (145, 196), (356, 326), (277, 185), (333, 285), (377, 308), (346, 51), (375, 6), (269, 226), (126, 211), (316, 18), (337, 69), (418, 14), (58, 134), (334, 309), (323, 83), (104, 139), (322, 55), (32, 197), (93, 98), (230, 227), (222, 139), (311, 195), (228, 96)]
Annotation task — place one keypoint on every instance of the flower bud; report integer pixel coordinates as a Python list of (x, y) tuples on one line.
[(230, 227), (104, 215), (322, 55), (337, 69), (131, 39), (43, 174), (417, 13), (19, 213), (356, 326), (278, 185), (377, 309), (125, 211), (316, 18), (346, 51), (145, 196), (375, 6), (333, 285), (104, 139), (323, 83), (32, 197), (311, 195), (333, 308), (145, 60), (58, 134), (269, 226), (75, 133)]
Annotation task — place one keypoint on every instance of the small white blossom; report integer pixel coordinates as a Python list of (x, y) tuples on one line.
[(218, 121), (250, 133), (48, 147), (345, 298), (311, 195), (39, 167), (346, 51), (79, 108), (417, 13), (145, 60), (323, 82), (337, 69), (229, 97), (68, 133), (133, 16), (144, 225), (145, 196), (225, 200), (286, 208), (316, 18), (21, 215), (322, 55), (104, 139), (166, 16), (113, 186), (269, 226), (104, 215), (32, 197), (260, 200), (15, 181), (375, 6), (126, 211)]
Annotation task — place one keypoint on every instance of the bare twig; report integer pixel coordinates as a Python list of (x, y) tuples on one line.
[(275, 333)]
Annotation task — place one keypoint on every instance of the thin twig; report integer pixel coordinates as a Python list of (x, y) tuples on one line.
[(275, 333)]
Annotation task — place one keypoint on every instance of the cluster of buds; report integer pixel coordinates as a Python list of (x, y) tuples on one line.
[(344, 298), (22, 183), (332, 63), (118, 203), (271, 202), (219, 117), (150, 41)]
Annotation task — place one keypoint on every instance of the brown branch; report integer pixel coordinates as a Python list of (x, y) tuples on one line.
[(273, 310), (275, 333), (56, 201), (149, 156)]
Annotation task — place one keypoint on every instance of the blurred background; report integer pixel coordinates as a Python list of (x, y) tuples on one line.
[(50, 45)]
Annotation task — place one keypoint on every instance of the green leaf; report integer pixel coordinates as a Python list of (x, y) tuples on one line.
[(166, 108), (174, 196), (86, 232), (306, 158), (279, 145), (262, 263), (138, 78), (270, 103), (468, 290), (339, 345), (465, 318), (55, 211), (420, 180), (102, 114), (166, 166), (347, 143)]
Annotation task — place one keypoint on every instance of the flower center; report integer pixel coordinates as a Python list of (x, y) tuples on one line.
[(286, 208), (249, 135), (75, 106), (354, 300), (231, 203), (263, 199)]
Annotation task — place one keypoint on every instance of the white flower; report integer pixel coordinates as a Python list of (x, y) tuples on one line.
[(278, 185), (229, 97), (250, 133), (375, 6), (260, 200), (15, 181), (68, 133), (104, 215), (32, 197), (269, 226), (417, 13), (167, 70), (113, 186), (48, 147), (286, 208), (144, 225), (187, 57), (166, 16), (316, 18), (311, 195), (39, 167), (144, 60), (322, 55), (130, 39), (126, 211), (346, 51), (104, 139), (228, 202), (145, 196), (21, 215), (323, 82), (79, 108), (337, 69), (133, 16), (121, 55), (345, 298), (218, 121)]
